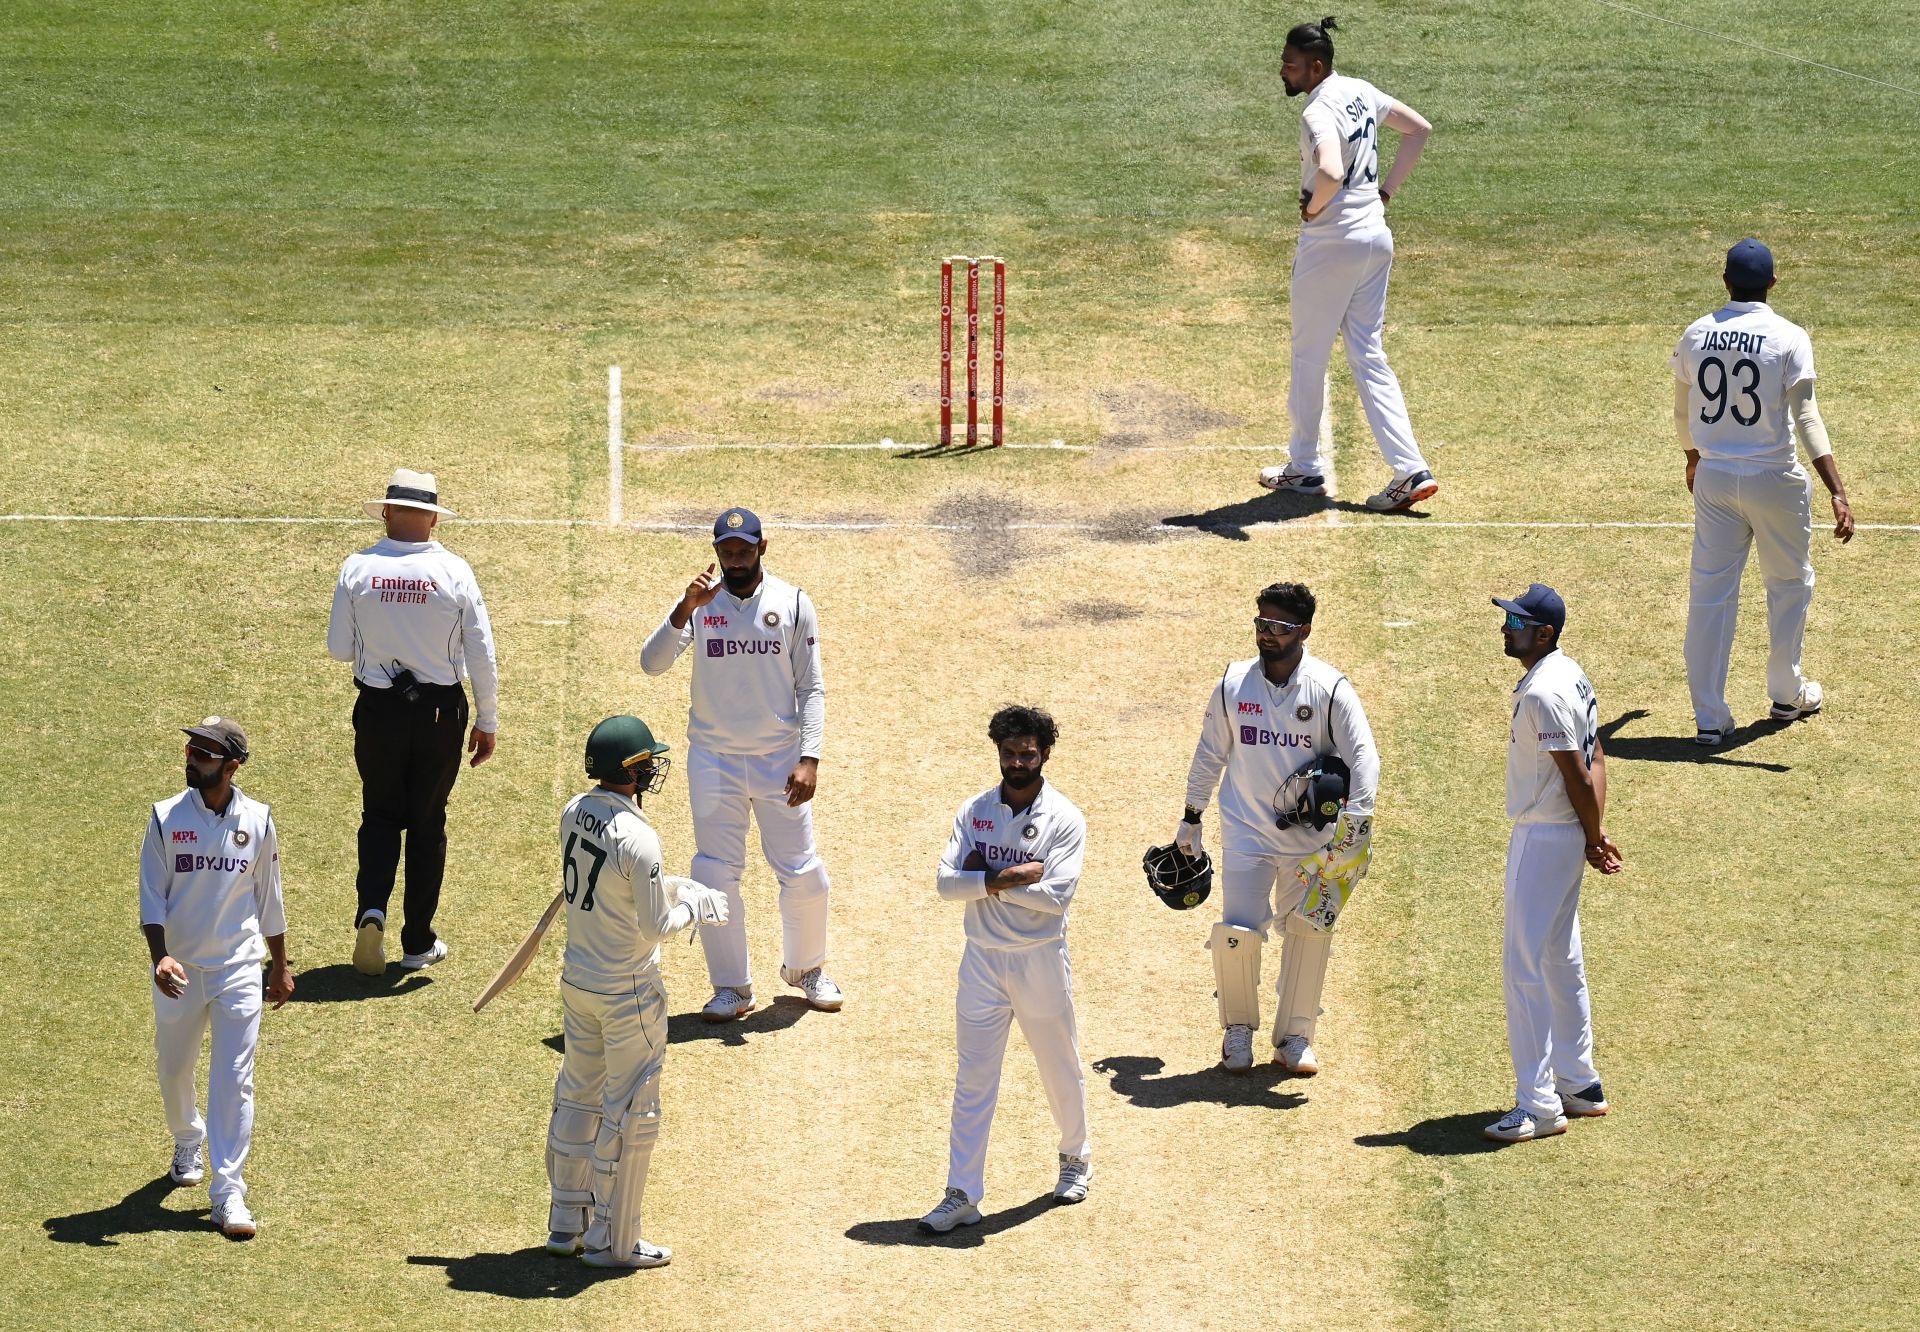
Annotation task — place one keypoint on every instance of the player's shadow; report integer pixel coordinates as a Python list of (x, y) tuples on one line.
[(957, 450), (1682, 749), (138, 1213), (906, 1231), (1232, 520), (339, 983), (776, 1016), (1138, 1078), (1444, 1135), (525, 1274)]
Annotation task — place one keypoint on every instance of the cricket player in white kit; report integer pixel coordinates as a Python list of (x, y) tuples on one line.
[(1556, 797), (1743, 383), (1340, 269), (606, 1100), (1015, 859), (1270, 723), (211, 910), (754, 736)]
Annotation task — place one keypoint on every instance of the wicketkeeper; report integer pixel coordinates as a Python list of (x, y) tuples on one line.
[(606, 1101)]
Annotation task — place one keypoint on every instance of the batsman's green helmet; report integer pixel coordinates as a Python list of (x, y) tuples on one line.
[(618, 745)]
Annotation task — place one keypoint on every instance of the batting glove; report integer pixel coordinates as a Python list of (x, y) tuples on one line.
[(709, 905)]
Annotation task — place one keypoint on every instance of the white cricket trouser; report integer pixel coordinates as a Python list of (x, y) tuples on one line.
[(1739, 507), (229, 999), (724, 788), (615, 1049), (1340, 286), (1033, 986), (1549, 1022), (1255, 891)]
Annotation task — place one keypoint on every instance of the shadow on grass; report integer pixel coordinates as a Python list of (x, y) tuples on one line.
[(138, 1213), (339, 983), (1448, 1135), (956, 450), (525, 1274), (682, 1027), (1232, 520), (1682, 749), (1137, 1077), (906, 1231)]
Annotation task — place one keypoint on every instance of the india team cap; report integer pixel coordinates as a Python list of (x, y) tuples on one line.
[(222, 734), (409, 490), (1749, 264), (1538, 603), (740, 523)]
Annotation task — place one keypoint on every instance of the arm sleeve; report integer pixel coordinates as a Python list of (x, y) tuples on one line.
[(657, 909), (1682, 420), (1054, 893), (664, 645), (1353, 741), (1806, 420), (809, 690), (1211, 751), (1551, 723), (955, 884), (342, 644), (1796, 367), (267, 899), (1319, 123), (1682, 371), (155, 876), (482, 668)]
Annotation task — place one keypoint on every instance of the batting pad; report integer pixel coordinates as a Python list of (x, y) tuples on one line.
[(570, 1137), (1236, 974), (620, 1160), (1303, 972)]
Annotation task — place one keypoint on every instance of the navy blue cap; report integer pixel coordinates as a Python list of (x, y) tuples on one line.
[(1749, 265), (1538, 603), (741, 523)]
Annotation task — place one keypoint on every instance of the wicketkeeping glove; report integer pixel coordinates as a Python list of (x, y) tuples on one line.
[(1329, 875)]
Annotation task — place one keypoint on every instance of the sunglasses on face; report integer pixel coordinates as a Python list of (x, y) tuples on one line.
[(1515, 622), (1274, 628)]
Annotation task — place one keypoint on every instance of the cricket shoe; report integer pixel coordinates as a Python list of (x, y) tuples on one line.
[(187, 1168), (1076, 1173), (643, 1255), (1519, 1126), (1709, 737), (821, 993), (954, 1210), (1236, 1048), (1811, 697), (563, 1243), (728, 1002), (421, 961), (370, 943), (1295, 1054), (1293, 481), (1587, 1103), (1404, 492), (233, 1218)]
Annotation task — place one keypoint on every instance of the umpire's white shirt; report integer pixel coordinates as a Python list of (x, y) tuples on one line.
[(1256, 734), (1739, 364), (212, 881), (418, 604), (1348, 111), (1052, 831), (619, 906), (1554, 710), (756, 670)]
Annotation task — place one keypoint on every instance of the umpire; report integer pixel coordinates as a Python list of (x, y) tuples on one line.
[(408, 614)]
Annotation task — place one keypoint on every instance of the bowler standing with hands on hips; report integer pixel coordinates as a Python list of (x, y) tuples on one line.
[(754, 736), (407, 612), (211, 910)]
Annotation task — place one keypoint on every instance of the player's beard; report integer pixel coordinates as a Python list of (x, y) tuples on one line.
[(1021, 779), (1278, 656), (741, 581), (201, 779)]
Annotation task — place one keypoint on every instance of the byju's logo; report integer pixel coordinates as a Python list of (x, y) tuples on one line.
[(716, 647), (183, 864), (1260, 735)]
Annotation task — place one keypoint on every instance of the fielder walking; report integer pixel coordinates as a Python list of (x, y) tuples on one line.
[(1340, 270), (408, 614), (1556, 797), (211, 910), (754, 737), (1286, 741), (1743, 383), (1014, 859), (606, 1099)]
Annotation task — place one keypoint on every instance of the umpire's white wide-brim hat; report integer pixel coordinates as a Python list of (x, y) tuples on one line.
[(409, 490)]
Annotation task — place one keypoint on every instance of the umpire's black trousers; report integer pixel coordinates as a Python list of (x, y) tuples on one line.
[(408, 755)]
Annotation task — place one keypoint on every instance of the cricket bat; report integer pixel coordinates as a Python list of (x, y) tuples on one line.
[(522, 956)]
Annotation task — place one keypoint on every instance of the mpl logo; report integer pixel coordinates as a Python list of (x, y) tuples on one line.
[(1255, 709), (713, 621), (983, 825), (184, 835)]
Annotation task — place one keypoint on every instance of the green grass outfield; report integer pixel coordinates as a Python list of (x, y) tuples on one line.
[(254, 255)]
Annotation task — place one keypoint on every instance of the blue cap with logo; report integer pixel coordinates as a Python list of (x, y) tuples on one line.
[(1538, 603), (737, 523), (1749, 265)]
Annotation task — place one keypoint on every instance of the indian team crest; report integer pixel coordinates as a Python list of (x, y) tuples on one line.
[(1029, 831), (1304, 712), (734, 519), (241, 837), (771, 619)]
